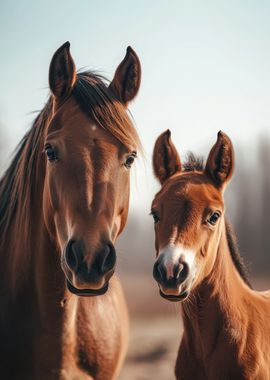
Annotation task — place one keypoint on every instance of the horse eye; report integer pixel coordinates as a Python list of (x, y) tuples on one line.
[(155, 216), (130, 160), (214, 218), (50, 152)]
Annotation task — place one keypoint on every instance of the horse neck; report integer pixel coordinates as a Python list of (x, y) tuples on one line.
[(50, 291), (42, 294), (217, 305), (29, 254)]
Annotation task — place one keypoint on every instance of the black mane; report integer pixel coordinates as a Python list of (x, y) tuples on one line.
[(193, 163), (235, 254)]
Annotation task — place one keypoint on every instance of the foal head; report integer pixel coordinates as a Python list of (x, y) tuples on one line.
[(89, 148), (188, 213)]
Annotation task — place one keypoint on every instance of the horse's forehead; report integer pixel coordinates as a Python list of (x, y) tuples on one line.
[(66, 119), (73, 120), (72, 124)]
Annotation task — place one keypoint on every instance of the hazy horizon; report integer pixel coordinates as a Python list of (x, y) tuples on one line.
[(206, 67)]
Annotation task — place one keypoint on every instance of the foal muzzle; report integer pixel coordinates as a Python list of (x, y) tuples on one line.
[(172, 271)]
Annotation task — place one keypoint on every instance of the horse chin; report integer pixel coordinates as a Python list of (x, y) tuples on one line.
[(175, 298), (87, 292)]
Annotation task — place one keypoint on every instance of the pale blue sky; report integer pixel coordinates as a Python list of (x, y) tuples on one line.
[(206, 64)]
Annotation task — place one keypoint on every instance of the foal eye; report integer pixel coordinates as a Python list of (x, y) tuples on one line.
[(50, 152), (130, 160), (155, 216), (214, 218)]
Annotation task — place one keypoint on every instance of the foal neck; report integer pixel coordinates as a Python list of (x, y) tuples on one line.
[(216, 306)]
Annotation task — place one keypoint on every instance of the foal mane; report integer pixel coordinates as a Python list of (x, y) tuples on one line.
[(196, 163), (235, 254), (193, 163), (19, 184)]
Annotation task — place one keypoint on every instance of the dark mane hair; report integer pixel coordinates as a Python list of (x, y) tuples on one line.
[(235, 254), (19, 184), (99, 102), (193, 163), (196, 163)]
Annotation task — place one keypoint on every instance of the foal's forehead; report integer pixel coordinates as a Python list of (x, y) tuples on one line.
[(193, 187)]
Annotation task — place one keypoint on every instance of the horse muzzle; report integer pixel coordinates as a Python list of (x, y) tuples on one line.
[(88, 277)]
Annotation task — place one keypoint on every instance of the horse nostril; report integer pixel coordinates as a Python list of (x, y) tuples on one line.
[(74, 255), (159, 272), (108, 258)]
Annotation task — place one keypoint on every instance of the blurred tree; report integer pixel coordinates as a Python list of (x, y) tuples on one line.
[(251, 214), (264, 202), (246, 212), (2, 147)]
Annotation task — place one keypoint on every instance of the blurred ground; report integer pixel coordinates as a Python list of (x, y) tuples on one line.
[(155, 330), (153, 348)]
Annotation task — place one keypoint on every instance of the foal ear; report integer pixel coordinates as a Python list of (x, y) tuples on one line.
[(62, 72), (127, 78), (220, 162), (166, 160)]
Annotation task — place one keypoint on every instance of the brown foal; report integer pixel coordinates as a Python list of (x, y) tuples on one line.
[(64, 201), (226, 323)]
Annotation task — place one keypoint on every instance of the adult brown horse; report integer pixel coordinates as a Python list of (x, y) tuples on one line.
[(64, 201), (226, 323)]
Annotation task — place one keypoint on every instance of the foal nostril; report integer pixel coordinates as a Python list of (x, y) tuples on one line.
[(74, 255), (107, 258), (178, 275), (181, 272), (178, 269)]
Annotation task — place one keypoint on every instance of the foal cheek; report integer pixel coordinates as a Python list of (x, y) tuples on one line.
[(117, 228), (203, 251), (208, 255)]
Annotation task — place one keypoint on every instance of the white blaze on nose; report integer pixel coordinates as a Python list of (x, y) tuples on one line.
[(175, 254)]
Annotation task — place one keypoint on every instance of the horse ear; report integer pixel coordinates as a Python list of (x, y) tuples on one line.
[(127, 78), (220, 162), (62, 72), (166, 160)]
